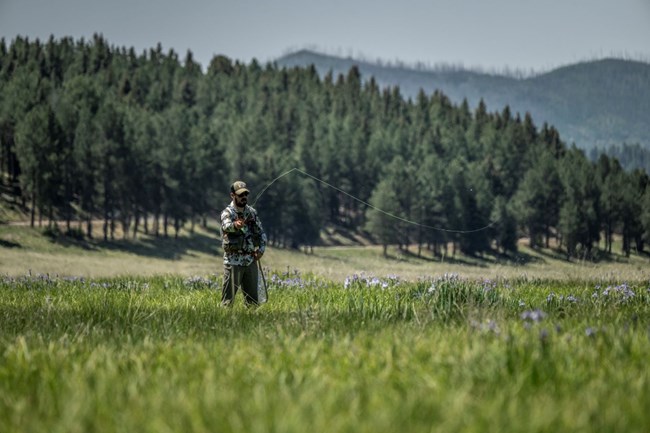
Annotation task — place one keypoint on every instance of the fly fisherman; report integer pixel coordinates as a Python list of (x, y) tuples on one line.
[(244, 242)]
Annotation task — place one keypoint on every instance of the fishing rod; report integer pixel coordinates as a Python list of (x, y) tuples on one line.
[(265, 292)]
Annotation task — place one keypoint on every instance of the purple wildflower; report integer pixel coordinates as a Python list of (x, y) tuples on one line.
[(370, 281), (533, 315), (489, 285)]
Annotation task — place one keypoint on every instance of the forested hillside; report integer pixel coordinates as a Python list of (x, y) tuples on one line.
[(597, 103), (89, 130)]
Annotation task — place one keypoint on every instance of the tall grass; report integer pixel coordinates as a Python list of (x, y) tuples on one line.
[(371, 354)]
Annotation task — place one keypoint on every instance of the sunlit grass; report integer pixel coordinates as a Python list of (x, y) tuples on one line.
[(26, 250), (369, 354), (129, 336)]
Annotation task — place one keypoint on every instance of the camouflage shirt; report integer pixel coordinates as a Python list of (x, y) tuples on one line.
[(239, 244)]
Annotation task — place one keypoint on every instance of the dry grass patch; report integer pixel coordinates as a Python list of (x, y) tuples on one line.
[(24, 250)]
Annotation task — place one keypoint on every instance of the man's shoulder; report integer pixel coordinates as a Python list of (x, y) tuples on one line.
[(228, 210)]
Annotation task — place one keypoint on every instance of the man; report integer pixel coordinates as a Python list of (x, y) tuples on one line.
[(244, 242)]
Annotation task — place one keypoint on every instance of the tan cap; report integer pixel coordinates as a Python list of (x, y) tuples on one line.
[(238, 187)]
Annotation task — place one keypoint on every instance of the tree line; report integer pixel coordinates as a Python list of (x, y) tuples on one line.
[(152, 142), (631, 156)]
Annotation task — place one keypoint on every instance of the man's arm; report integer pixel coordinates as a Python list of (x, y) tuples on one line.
[(228, 225)]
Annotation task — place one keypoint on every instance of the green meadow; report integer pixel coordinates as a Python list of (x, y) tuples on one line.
[(25, 250), (130, 337)]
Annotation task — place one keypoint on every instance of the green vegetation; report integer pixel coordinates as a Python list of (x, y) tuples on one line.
[(148, 143), (367, 355), (28, 251), (406, 328), (127, 335)]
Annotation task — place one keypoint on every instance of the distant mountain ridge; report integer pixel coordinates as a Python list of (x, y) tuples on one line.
[(595, 103)]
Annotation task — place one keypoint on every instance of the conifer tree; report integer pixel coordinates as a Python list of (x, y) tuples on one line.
[(505, 225), (579, 212), (381, 225), (432, 202), (31, 135), (645, 214), (536, 201), (634, 185), (85, 156), (610, 175), (468, 215)]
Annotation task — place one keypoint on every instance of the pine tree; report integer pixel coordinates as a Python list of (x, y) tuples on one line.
[(85, 155), (505, 225), (395, 205), (31, 135), (579, 213), (430, 204), (536, 201), (610, 175), (645, 214), (467, 213), (382, 226), (634, 185)]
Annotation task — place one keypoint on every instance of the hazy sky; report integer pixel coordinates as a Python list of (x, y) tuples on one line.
[(491, 34)]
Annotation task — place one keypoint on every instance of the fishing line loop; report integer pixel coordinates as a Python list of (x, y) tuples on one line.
[(397, 217)]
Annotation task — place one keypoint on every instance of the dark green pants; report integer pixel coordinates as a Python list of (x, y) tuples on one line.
[(236, 277)]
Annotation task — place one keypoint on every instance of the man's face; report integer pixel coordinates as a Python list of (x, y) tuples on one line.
[(240, 199)]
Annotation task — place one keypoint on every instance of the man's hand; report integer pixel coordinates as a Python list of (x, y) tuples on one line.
[(257, 254), (239, 223)]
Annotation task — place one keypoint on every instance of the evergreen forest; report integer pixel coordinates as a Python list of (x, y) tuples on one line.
[(150, 142)]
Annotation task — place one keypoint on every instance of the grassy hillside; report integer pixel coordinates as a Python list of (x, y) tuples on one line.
[(595, 103), (24, 250)]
